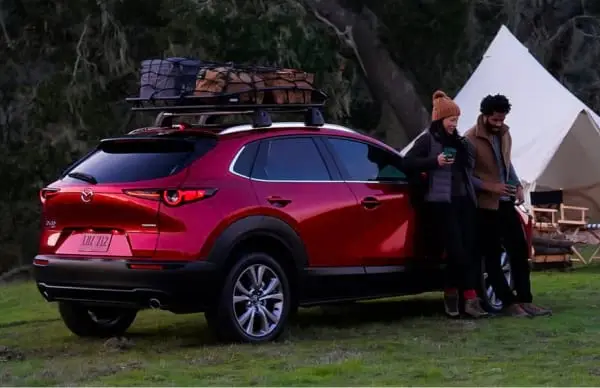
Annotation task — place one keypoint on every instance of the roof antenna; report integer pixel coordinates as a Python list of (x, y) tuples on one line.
[(261, 119), (313, 118)]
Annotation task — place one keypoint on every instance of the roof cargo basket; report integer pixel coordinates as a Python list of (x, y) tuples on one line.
[(221, 89)]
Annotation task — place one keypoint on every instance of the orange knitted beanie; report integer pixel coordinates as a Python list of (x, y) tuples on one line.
[(443, 106)]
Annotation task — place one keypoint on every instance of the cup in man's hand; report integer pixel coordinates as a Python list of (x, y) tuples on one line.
[(512, 188)]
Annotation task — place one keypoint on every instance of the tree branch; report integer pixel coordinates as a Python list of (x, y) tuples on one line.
[(387, 81), (80, 54), (345, 36), (14, 273), (9, 42)]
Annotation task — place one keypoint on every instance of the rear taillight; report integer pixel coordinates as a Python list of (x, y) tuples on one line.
[(46, 193), (174, 197)]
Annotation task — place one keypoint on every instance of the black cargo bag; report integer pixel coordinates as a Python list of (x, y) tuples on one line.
[(169, 77)]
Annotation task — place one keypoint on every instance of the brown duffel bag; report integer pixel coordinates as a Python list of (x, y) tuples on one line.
[(248, 83), (290, 78), (230, 80)]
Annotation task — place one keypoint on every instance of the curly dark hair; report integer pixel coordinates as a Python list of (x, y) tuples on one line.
[(497, 103)]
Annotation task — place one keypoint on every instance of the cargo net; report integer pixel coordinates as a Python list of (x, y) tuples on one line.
[(193, 79)]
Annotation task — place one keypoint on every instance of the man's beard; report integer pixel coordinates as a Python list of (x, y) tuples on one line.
[(492, 128)]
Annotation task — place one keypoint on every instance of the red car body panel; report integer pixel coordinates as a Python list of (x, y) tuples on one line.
[(386, 231), (325, 215)]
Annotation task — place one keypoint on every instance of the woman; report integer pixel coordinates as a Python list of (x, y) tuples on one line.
[(449, 201)]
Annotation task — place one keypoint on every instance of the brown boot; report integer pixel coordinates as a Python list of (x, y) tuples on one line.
[(534, 310), (474, 310), (515, 310)]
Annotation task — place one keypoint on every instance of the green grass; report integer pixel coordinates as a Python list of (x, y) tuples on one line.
[(404, 341)]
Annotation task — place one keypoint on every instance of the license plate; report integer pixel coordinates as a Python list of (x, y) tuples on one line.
[(91, 242)]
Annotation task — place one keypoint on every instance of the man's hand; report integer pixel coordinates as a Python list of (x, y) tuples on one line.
[(499, 188), (520, 196)]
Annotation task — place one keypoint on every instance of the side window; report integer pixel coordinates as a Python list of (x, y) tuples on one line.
[(364, 162), (290, 159), (245, 160)]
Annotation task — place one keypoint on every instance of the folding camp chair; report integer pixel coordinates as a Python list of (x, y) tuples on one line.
[(550, 214), (593, 230), (544, 212)]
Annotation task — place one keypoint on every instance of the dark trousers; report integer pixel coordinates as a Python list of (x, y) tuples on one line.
[(502, 228), (456, 223)]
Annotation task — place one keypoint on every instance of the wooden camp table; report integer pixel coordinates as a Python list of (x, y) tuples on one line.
[(550, 222), (571, 227), (594, 255)]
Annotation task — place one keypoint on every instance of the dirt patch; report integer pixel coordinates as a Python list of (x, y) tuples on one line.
[(594, 372), (208, 359), (118, 344), (8, 354), (462, 325), (85, 372), (338, 356)]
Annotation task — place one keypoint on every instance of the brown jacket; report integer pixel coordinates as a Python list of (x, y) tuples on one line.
[(486, 168)]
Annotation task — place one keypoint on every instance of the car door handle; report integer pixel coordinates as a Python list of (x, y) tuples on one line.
[(278, 201), (370, 202)]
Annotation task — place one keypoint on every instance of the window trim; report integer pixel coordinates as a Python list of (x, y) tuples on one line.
[(234, 161), (330, 160)]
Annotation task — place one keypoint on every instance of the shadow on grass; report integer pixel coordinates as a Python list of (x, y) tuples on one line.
[(361, 313), (593, 268), (191, 333), (30, 322)]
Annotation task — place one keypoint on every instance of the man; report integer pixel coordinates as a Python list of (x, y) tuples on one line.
[(498, 188)]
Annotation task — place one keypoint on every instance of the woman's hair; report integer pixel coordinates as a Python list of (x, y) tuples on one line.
[(437, 125), (497, 103)]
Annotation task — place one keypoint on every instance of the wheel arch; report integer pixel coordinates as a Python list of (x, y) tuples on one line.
[(266, 234)]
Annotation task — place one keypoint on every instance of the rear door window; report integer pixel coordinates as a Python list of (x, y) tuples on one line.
[(290, 159), (138, 160)]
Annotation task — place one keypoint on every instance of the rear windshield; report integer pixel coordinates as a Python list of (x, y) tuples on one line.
[(139, 160)]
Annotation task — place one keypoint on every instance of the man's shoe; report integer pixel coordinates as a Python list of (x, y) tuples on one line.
[(474, 310), (534, 310), (515, 310), (451, 304)]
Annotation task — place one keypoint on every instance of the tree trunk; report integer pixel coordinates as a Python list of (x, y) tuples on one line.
[(389, 84)]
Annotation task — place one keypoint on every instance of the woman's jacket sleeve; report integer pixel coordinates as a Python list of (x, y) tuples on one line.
[(417, 159)]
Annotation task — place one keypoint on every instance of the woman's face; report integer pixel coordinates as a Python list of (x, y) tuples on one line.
[(450, 123)]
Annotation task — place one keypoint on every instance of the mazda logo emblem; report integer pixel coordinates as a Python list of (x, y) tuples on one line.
[(87, 195)]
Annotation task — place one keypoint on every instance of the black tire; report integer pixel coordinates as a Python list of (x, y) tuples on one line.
[(224, 320), (85, 321)]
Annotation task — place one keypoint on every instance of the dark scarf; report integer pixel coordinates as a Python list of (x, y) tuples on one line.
[(453, 140)]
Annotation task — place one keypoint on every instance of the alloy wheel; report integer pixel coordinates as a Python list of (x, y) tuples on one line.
[(258, 300), (490, 293)]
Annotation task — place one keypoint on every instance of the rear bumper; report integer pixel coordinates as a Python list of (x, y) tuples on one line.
[(177, 286)]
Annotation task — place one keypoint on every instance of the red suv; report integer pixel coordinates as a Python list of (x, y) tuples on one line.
[(242, 222)]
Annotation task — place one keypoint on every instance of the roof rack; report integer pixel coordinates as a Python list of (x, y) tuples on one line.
[(229, 103), (231, 100), (191, 87)]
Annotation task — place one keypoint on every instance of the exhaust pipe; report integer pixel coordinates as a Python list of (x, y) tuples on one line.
[(154, 304)]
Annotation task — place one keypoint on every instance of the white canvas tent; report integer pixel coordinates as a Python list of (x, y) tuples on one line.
[(556, 137)]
